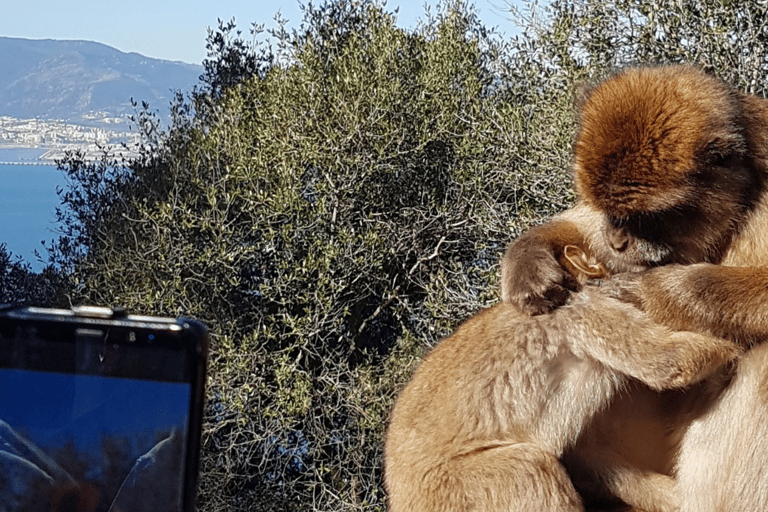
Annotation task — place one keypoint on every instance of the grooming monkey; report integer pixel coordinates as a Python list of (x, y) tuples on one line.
[(670, 169), (489, 412)]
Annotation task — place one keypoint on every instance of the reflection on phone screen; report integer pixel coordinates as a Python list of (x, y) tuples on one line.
[(91, 425)]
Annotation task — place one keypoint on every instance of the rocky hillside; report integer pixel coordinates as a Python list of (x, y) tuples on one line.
[(53, 79)]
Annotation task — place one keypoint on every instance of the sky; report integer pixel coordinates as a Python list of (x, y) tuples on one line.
[(177, 30)]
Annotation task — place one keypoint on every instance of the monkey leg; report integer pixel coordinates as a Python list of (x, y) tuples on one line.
[(502, 478), (601, 473), (515, 478)]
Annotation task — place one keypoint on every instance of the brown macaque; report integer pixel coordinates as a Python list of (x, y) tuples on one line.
[(488, 414), (670, 170)]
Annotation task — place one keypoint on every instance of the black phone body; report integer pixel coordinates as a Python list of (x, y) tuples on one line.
[(99, 410)]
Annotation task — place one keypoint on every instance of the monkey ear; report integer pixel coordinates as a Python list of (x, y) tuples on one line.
[(579, 259)]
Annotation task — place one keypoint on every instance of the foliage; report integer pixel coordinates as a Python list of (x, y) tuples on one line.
[(231, 59), (20, 285), (725, 37), (334, 205)]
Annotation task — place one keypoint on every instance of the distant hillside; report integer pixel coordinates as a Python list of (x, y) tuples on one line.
[(54, 79)]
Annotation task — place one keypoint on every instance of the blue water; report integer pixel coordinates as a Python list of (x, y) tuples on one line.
[(28, 202)]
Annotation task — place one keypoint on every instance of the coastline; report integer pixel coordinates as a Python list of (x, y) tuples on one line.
[(41, 155), (15, 154), (40, 163)]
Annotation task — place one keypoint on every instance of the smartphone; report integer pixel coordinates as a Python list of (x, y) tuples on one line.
[(99, 410)]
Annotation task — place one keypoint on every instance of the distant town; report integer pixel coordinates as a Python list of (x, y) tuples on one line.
[(43, 141)]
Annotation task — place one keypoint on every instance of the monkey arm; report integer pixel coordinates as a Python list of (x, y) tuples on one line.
[(631, 342), (533, 278), (729, 302)]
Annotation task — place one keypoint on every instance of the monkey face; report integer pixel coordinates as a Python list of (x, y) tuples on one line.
[(697, 228), (658, 238), (662, 155)]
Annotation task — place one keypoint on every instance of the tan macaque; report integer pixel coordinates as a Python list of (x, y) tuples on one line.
[(489, 412), (670, 169)]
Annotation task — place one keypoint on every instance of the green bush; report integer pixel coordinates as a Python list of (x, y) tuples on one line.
[(334, 205)]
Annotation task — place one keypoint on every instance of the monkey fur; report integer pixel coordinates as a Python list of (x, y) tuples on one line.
[(489, 412), (670, 170)]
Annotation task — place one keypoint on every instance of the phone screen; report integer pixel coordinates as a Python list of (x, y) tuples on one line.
[(98, 416)]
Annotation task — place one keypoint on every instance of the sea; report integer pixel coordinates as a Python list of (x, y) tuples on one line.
[(28, 202)]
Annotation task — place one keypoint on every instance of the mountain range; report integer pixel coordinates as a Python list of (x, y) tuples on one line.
[(54, 79)]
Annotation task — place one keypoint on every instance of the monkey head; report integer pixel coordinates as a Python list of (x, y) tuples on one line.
[(663, 154)]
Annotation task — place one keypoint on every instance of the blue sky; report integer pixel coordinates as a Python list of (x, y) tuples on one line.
[(177, 30)]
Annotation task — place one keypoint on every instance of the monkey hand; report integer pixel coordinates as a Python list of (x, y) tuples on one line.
[(532, 279), (626, 287)]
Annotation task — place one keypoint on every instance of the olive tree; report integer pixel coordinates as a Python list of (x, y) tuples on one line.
[(334, 199)]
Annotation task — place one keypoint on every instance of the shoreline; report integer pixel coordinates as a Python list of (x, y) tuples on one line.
[(48, 156), (39, 163)]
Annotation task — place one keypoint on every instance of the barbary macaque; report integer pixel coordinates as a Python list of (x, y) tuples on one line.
[(489, 412), (670, 170)]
